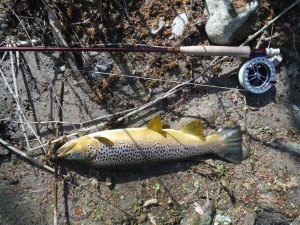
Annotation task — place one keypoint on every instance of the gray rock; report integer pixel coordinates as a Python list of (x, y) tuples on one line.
[(224, 20)]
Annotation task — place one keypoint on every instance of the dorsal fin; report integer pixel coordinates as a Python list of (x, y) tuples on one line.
[(194, 128), (156, 125), (104, 140)]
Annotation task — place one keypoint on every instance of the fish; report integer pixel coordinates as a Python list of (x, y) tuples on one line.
[(152, 144)]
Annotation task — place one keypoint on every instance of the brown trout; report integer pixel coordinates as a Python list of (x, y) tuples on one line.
[(152, 144)]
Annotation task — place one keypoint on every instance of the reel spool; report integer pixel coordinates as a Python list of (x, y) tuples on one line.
[(257, 75)]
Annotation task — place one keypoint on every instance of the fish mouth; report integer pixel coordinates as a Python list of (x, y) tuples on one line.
[(64, 150)]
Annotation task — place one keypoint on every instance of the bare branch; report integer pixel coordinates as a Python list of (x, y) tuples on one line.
[(17, 96), (22, 24), (23, 154), (21, 111), (56, 29), (251, 37)]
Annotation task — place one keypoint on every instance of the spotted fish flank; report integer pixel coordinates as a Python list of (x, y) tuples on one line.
[(151, 144)]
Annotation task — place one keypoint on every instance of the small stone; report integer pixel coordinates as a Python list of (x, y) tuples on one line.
[(161, 25), (63, 68), (200, 213), (179, 24), (94, 183), (222, 220), (102, 67), (150, 202)]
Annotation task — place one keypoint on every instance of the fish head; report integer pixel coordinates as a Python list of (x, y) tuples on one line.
[(79, 149)]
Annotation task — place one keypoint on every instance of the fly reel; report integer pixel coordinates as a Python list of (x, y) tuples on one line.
[(257, 75)]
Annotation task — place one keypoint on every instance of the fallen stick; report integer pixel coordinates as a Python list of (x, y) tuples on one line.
[(17, 96), (24, 155), (21, 22), (251, 37), (21, 111), (55, 210), (55, 24)]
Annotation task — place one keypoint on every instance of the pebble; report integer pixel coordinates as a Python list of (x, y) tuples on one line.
[(150, 202), (102, 67), (222, 220), (161, 25), (200, 213), (179, 24)]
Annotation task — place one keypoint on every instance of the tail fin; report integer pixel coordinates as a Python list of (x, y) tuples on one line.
[(231, 149)]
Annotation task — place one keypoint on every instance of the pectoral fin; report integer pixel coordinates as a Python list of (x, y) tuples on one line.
[(156, 125), (104, 140), (194, 128)]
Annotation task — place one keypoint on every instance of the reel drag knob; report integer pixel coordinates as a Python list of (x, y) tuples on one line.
[(257, 75)]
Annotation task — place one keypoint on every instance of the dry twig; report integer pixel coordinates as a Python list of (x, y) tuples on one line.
[(251, 37), (23, 154), (22, 24), (56, 29), (17, 96), (22, 113)]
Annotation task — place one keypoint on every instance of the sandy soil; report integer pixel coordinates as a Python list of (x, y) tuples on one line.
[(263, 189)]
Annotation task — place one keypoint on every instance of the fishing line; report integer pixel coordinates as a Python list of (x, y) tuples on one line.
[(139, 77)]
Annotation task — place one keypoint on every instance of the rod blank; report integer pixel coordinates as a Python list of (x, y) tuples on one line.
[(241, 51)]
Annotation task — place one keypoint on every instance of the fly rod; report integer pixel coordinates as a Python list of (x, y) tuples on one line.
[(257, 74), (201, 50)]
